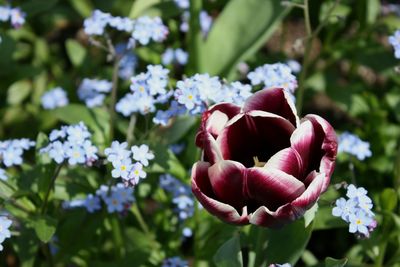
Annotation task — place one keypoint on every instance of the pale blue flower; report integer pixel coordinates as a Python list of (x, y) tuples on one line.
[(394, 40), (12, 156), (5, 12), (206, 22), (183, 4), (359, 222), (75, 155), (92, 203), (142, 154), (174, 262), (93, 91), (17, 17), (54, 98), (351, 144), (114, 202), (5, 233), (136, 173), (122, 168), (3, 174), (344, 208)]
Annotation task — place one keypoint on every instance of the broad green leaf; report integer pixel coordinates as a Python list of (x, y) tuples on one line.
[(373, 10), (297, 237), (331, 262), (76, 52), (388, 199), (166, 161), (333, 12), (84, 7), (178, 129), (229, 254), (139, 6), (45, 227), (310, 215), (18, 92), (230, 41), (325, 220)]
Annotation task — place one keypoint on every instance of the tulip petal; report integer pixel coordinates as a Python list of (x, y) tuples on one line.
[(214, 119), (329, 147), (312, 193), (315, 141), (288, 161), (272, 188), (226, 178), (211, 151), (254, 134), (264, 217), (201, 188), (274, 100)]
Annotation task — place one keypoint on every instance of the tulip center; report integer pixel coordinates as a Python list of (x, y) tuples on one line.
[(258, 163)]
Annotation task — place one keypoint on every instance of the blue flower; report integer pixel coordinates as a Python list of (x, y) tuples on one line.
[(122, 168), (3, 175), (394, 40), (114, 202), (54, 98), (359, 222), (142, 154), (5, 224), (17, 17), (92, 203), (93, 91), (344, 208), (146, 29), (183, 4), (350, 143), (5, 12), (174, 262)]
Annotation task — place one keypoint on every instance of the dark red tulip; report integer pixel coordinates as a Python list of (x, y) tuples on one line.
[(260, 163)]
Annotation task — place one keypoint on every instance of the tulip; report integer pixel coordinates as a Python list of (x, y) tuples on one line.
[(260, 163)]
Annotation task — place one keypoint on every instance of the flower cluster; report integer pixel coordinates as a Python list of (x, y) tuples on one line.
[(148, 89), (281, 265), (54, 98), (181, 195), (117, 198), (274, 75), (175, 56), (93, 91), (71, 143), (143, 30), (353, 145), (394, 40), (5, 224), (356, 210), (14, 15), (174, 262), (11, 151), (121, 159), (195, 93)]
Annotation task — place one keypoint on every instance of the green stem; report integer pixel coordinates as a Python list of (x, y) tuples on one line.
[(113, 97), (51, 185), (260, 246), (306, 61), (118, 237), (138, 215), (130, 134), (194, 36), (381, 254)]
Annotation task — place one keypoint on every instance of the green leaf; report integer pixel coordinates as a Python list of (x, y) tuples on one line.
[(139, 6), (18, 92), (166, 161), (178, 129), (230, 41), (278, 251), (373, 10), (76, 52), (83, 7), (229, 254), (45, 227), (339, 12), (388, 199), (331, 262), (310, 215), (324, 219)]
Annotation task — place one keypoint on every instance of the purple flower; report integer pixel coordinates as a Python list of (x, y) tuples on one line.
[(260, 165)]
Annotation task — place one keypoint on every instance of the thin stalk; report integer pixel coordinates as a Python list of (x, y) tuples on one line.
[(260, 246), (138, 215), (51, 185), (118, 237), (130, 135), (113, 97), (306, 61)]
